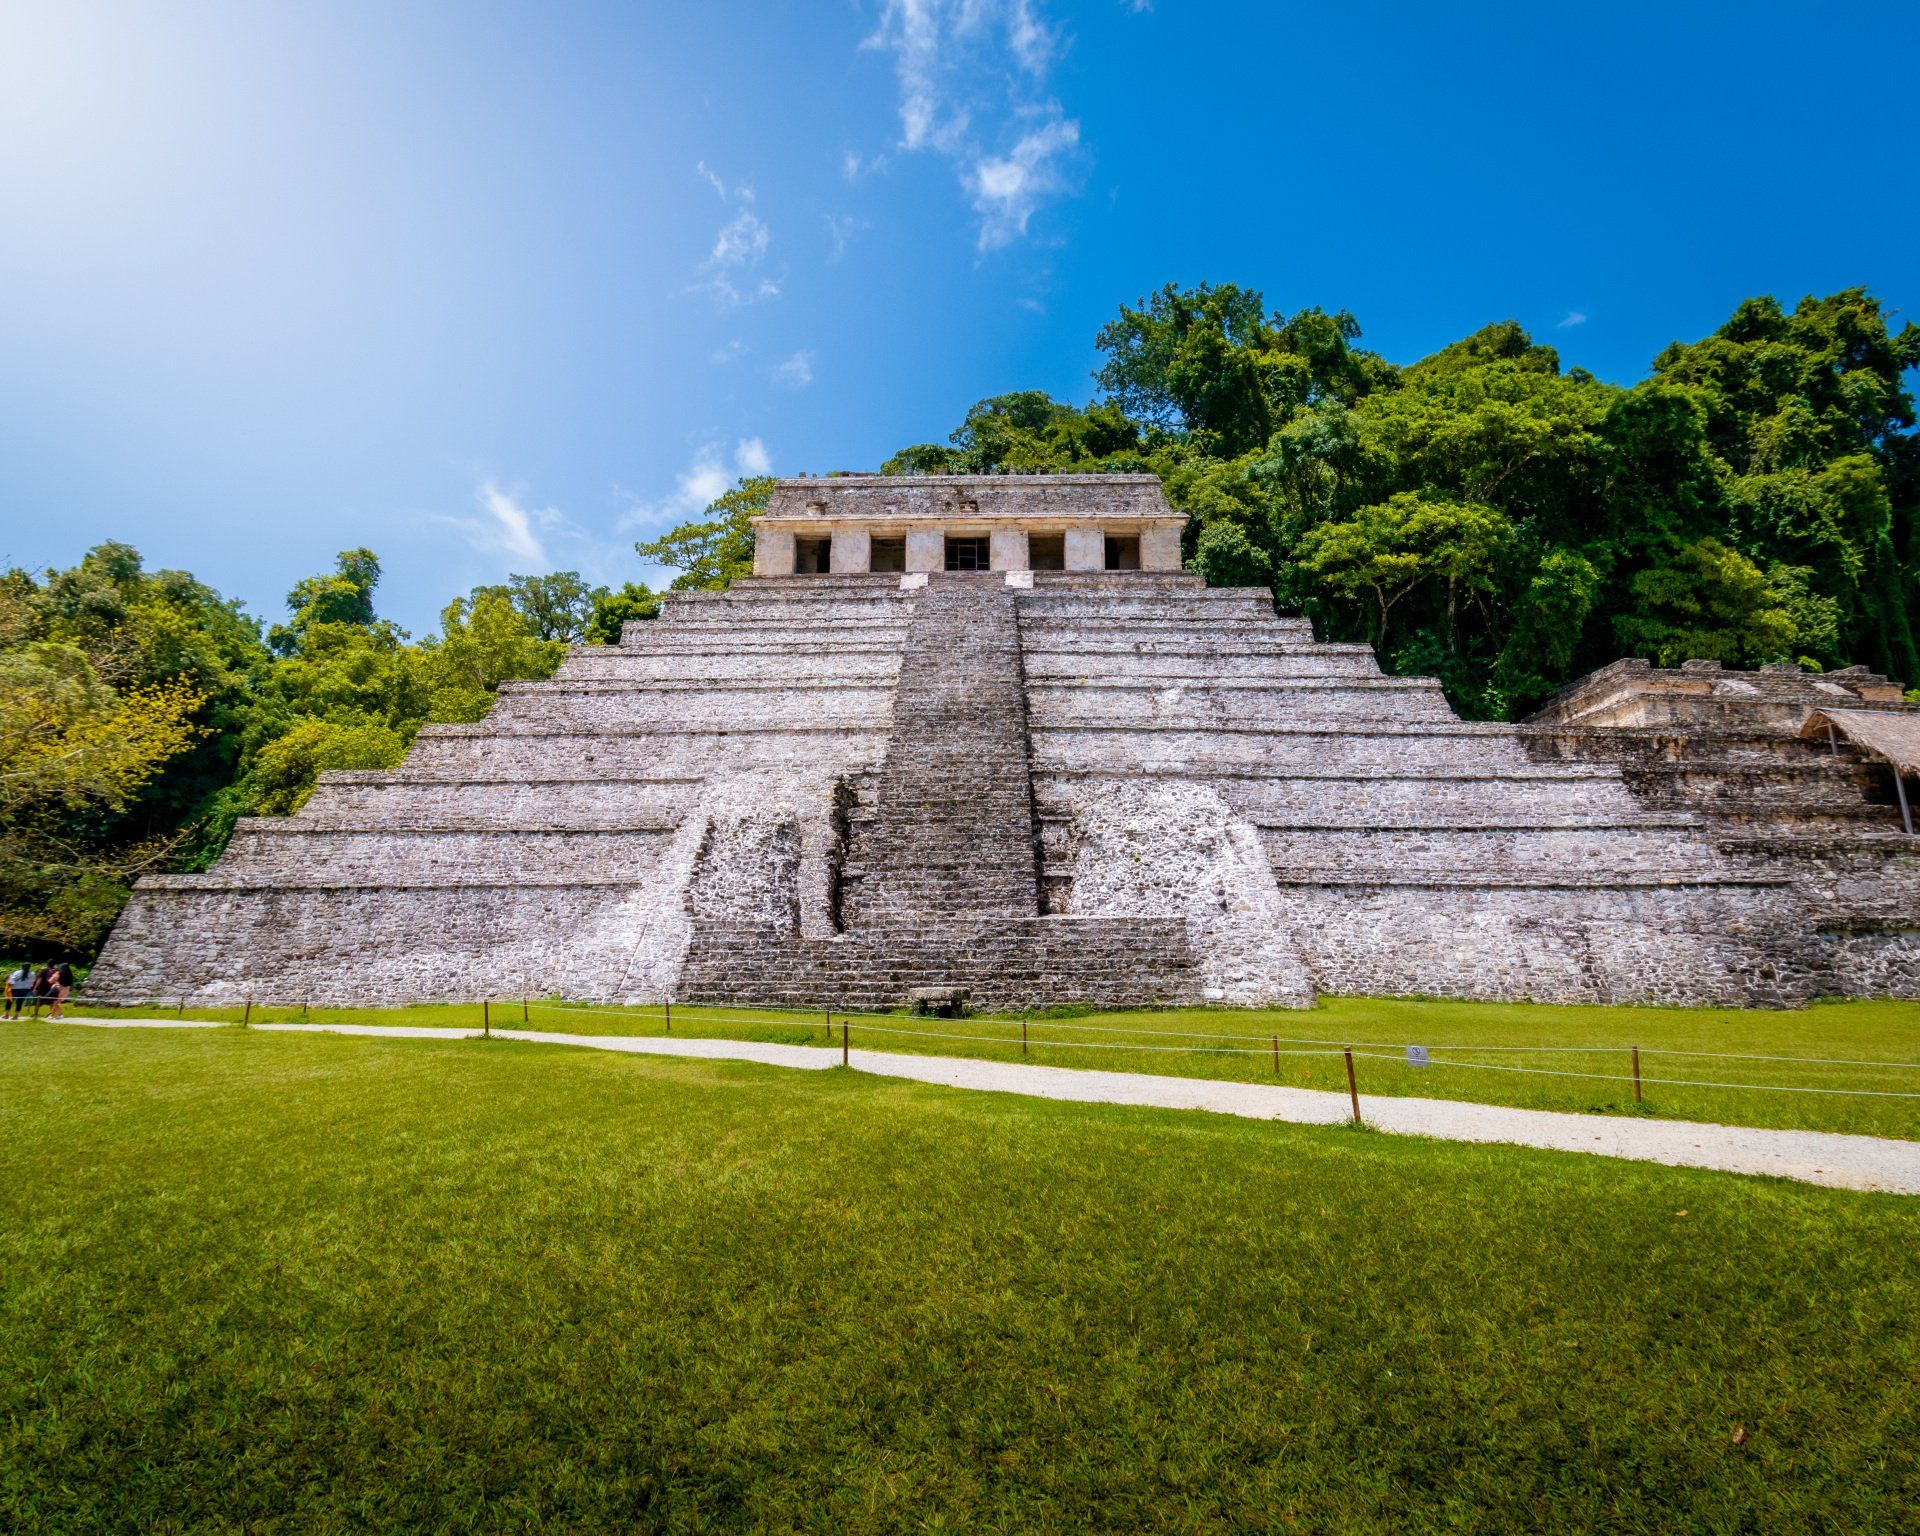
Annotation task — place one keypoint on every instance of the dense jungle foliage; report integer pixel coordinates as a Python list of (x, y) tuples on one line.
[(141, 712), (1483, 515)]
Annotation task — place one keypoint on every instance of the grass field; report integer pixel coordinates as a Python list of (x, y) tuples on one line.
[(303, 1283), (1496, 1053)]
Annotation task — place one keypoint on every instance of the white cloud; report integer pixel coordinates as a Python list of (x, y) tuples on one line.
[(731, 352), (971, 76), (1007, 188), (1032, 43), (797, 371), (735, 271), (742, 239), (842, 227), (1574, 317), (706, 478), (508, 529)]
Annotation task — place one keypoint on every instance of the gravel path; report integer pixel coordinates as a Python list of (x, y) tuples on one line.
[(1815, 1157)]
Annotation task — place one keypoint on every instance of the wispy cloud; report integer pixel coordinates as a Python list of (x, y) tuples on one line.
[(841, 228), (1574, 317), (736, 270), (795, 372), (706, 478), (1008, 188), (728, 352), (972, 80), (510, 530)]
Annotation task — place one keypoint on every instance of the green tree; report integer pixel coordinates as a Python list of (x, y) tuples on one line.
[(718, 550), (611, 610), (1811, 415), (484, 641), (1549, 619), (1706, 602), (557, 606), (148, 629), (344, 596), (75, 753), (287, 768), (1209, 361), (1390, 550)]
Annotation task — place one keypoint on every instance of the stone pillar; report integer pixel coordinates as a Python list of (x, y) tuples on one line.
[(1086, 548), (1160, 547), (852, 551), (1009, 549), (772, 551), (926, 549)]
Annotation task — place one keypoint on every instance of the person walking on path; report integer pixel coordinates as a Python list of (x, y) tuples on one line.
[(62, 987), (19, 989)]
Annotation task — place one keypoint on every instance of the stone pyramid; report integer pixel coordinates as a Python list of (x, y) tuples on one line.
[(1099, 785)]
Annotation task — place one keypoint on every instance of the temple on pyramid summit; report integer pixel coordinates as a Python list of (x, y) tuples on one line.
[(982, 738)]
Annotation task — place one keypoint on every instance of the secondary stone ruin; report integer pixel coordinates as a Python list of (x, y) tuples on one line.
[(982, 737)]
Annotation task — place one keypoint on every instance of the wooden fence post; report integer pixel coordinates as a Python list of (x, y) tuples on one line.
[(1636, 1075), (486, 1019), (1353, 1091), (669, 1015), (247, 1017), (843, 1042), (1276, 1055), (1023, 1037)]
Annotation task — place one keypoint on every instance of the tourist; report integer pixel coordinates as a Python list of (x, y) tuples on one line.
[(19, 988), (62, 988)]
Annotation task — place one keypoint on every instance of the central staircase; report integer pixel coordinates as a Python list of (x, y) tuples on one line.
[(941, 884), (952, 831)]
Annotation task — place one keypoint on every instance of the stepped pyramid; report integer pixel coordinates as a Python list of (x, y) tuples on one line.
[(985, 734)]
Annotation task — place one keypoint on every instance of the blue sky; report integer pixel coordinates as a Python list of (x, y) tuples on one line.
[(504, 287)]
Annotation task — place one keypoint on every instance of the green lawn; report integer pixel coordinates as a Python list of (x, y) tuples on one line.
[(313, 1284), (1882, 1099)]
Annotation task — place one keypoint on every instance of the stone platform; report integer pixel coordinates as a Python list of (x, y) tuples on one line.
[(1107, 787)]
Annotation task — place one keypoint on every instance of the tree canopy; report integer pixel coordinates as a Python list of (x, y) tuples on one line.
[(1485, 514), (141, 713)]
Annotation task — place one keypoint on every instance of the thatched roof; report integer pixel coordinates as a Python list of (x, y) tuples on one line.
[(1885, 733)]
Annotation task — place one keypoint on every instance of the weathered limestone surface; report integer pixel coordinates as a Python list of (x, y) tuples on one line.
[(1089, 786)]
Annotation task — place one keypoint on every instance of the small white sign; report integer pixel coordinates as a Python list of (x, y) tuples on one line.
[(1416, 1055)]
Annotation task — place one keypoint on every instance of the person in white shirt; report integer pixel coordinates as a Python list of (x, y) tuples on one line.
[(19, 989)]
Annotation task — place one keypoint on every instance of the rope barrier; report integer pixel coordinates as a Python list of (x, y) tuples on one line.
[(1268, 1045), (1672, 1082), (1085, 1045)]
